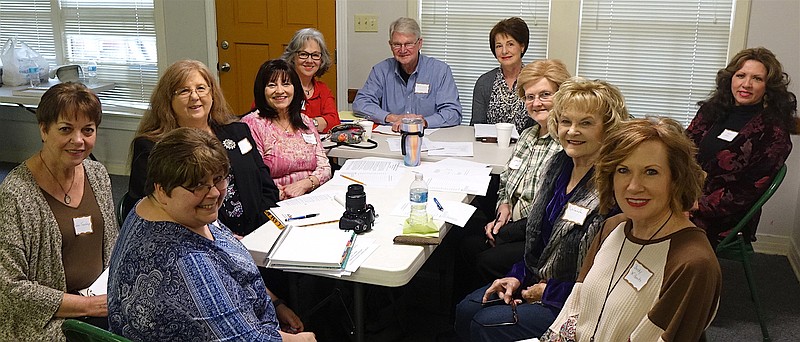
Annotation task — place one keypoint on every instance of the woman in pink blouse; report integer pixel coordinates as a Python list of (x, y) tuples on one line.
[(286, 139)]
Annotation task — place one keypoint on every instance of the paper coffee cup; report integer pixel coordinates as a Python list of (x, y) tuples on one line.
[(503, 133), (367, 126)]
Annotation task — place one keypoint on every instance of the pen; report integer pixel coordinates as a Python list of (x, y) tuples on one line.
[(353, 179), (292, 218), (438, 205)]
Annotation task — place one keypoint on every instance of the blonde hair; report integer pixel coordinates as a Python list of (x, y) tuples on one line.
[(553, 70), (595, 97)]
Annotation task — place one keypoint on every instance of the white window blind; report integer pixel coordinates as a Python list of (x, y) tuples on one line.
[(664, 56), (457, 32), (118, 34)]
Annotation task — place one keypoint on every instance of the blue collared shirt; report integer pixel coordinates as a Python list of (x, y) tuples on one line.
[(430, 91)]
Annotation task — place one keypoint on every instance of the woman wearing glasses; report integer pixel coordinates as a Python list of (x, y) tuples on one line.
[(284, 137), (502, 238), (178, 274), (187, 95), (494, 97), (309, 57)]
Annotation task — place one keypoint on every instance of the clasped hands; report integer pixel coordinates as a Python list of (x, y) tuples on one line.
[(397, 119), (505, 287)]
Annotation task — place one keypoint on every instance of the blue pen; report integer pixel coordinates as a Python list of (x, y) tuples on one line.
[(292, 218), (438, 205)]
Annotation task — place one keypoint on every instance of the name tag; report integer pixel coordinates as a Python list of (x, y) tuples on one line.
[(83, 225), (515, 163), (245, 146), (310, 139), (422, 88), (303, 107), (638, 275), (575, 213), (728, 135)]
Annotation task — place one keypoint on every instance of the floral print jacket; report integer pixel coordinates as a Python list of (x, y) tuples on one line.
[(739, 173)]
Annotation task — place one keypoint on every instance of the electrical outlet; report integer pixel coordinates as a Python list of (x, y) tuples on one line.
[(365, 23)]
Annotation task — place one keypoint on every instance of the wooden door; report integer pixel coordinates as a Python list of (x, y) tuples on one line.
[(250, 32)]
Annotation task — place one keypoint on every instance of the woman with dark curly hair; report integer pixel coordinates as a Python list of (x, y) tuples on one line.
[(742, 132)]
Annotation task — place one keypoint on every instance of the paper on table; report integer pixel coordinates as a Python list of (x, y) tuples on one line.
[(371, 179), (327, 211), (460, 163), (473, 185), (372, 165), (427, 145), (455, 213), (323, 246), (435, 169), (387, 129), (456, 149), (489, 131), (309, 198)]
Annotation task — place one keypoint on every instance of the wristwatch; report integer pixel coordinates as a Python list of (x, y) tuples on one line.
[(316, 123)]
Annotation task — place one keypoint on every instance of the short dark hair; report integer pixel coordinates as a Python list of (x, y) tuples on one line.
[(184, 156), (69, 99), (514, 27), (272, 71), (687, 175)]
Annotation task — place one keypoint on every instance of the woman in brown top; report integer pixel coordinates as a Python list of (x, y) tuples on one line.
[(56, 221)]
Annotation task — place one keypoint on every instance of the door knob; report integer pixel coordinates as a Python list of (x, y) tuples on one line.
[(224, 45), (225, 67)]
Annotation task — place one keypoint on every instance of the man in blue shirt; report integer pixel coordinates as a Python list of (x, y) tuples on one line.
[(409, 85)]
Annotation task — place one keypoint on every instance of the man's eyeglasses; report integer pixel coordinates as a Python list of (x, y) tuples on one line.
[(201, 190), (499, 301), (544, 96), (185, 93), (304, 55), (398, 46)]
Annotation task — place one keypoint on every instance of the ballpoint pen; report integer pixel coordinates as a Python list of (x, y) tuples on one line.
[(292, 218), (438, 205)]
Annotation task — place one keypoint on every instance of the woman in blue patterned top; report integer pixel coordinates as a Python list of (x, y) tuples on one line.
[(176, 272)]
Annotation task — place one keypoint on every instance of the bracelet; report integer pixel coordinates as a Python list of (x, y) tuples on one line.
[(278, 302), (312, 182)]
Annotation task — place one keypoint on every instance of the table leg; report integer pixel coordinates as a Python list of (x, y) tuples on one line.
[(358, 304)]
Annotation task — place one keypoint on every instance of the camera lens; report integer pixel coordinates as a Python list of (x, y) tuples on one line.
[(356, 199)]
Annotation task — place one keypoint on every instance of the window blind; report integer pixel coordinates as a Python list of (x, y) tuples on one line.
[(664, 56), (457, 32), (118, 34)]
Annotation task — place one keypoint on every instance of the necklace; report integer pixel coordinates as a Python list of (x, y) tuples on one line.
[(611, 288), (67, 199), (309, 90), (285, 127)]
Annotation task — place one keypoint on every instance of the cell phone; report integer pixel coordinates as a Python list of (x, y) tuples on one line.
[(492, 302)]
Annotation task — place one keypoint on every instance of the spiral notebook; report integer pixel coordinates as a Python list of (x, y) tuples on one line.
[(320, 247)]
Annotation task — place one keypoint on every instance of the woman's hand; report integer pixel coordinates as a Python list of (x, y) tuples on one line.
[(290, 323), (534, 292), (301, 337), (297, 188), (504, 288), (80, 306), (493, 227)]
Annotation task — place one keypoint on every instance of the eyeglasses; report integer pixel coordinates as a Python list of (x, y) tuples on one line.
[(201, 190), (544, 96), (304, 55), (185, 93), (406, 46), (499, 301)]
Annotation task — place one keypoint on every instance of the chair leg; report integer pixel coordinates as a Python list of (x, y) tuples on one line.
[(753, 293)]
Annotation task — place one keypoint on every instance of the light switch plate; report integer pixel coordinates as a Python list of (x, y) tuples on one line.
[(365, 23)]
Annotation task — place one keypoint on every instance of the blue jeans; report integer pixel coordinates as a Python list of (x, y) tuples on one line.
[(476, 322)]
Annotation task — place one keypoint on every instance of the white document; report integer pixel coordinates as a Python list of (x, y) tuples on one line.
[(473, 185), (455, 213), (385, 129), (489, 131), (324, 246), (309, 213), (362, 249), (455, 163), (372, 165), (451, 149), (427, 145), (309, 198), (370, 179), (99, 287)]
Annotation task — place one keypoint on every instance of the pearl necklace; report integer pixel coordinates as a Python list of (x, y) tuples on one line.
[(67, 199)]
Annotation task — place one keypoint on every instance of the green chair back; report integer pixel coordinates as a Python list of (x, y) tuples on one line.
[(78, 331), (735, 247)]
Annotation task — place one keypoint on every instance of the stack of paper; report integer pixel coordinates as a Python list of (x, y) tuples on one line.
[(488, 133), (455, 175), (300, 248), (373, 172)]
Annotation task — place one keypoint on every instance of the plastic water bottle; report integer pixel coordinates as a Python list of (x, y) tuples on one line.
[(418, 194), (34, 79), (91, 72)]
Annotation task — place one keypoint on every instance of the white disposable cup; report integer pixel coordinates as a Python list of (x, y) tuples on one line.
[(367, 126), (503, 133)]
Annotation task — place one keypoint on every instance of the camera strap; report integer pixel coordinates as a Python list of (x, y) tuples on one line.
[(372, 144)]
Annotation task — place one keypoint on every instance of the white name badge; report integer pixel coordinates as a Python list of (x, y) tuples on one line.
[(83, 225), (422, 88), (575, 213), (303, 107), (310, 139), (244, 146), (515, 163), (728, 135), (638, 275)]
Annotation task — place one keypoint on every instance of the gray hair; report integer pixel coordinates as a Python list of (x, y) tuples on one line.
[(405, 26), (297, 42)]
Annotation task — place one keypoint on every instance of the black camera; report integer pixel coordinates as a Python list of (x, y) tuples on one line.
[(358, 215)]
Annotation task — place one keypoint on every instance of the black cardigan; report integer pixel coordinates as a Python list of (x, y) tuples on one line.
[(248, 170)]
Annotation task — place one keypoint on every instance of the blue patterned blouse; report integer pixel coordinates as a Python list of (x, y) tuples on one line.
[(167, 283)]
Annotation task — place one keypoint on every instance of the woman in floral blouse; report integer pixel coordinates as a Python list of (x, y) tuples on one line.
[(742, 132)]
